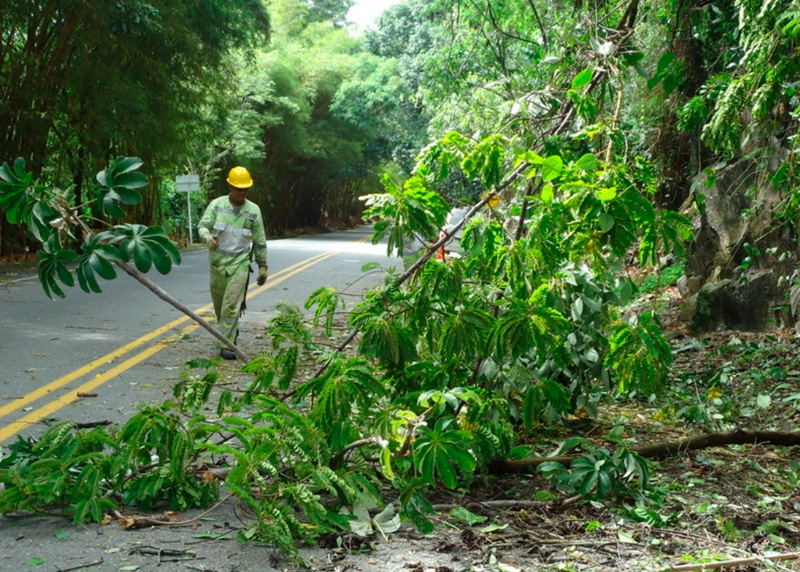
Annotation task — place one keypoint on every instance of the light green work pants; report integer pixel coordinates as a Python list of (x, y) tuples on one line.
[(227, 293)]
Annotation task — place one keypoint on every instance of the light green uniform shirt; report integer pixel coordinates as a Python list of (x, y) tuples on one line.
[(237, 228)]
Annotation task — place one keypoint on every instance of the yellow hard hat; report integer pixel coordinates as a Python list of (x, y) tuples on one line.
[(240, 178)]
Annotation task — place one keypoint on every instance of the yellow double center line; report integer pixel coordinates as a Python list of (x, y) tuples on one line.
[(52, 406)]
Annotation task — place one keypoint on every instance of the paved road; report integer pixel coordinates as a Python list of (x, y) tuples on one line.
[(128, 346)]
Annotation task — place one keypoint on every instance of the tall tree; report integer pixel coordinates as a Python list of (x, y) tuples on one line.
[(322, 136), (82, 81)]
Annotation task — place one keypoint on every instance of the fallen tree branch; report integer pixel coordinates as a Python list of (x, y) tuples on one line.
[(135, 521), (172, 554), (167, 518), (659, 450), (81, 566), (734, 563), (164, 295), (336, 461), (736, 437), (494, 504), (92, 424), (560, 125)]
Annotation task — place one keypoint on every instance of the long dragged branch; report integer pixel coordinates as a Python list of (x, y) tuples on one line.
[(72, 216), (161, 293)]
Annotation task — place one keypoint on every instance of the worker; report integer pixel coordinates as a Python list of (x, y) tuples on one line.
[(233, 229)]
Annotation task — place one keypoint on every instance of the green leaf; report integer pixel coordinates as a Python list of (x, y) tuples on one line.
[(438, 452), (470, 518), (387, 521), (52, 267), (551, 468), (415, 506), (547, 496), (117, 184), (671, 83), (62, 534), (588, 482), (582, 79), (146, 246), (124, 184), (36, 561), (15, 187), (447, 473), (568, 444), (386, 463), (616, 434), (664, 62), (764, 400), (419, 520), (547, 193), (126, 197), (625, 537), (38, 220), (552, 167), (494, 527), (96, 259), (556, 396), (588, 163), (654, 81), (125, 164), (362, 523), (532, 407), (606, 221), (607, 194), (406, 213)]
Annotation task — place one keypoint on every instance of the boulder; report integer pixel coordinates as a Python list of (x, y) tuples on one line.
[(740, 248), (736, 304)]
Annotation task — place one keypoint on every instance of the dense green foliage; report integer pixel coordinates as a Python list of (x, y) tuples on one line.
[(534, 113), (51, 216), (81, 82), (198, 89)]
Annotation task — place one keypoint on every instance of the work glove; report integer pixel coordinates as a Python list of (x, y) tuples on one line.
[(262, 275), (211, 243)]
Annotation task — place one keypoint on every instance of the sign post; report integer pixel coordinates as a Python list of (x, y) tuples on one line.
[(187, 184)]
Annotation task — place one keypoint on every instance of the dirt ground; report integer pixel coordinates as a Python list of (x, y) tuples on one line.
[(521, 535)]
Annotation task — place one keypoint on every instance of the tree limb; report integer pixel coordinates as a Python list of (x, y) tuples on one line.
[(81, 566), (167, 518), (336, 461), (734, 563), (161, 293), (556, 129), (660, 450)]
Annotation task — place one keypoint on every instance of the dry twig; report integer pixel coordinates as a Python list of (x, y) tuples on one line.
[(735, 563)]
